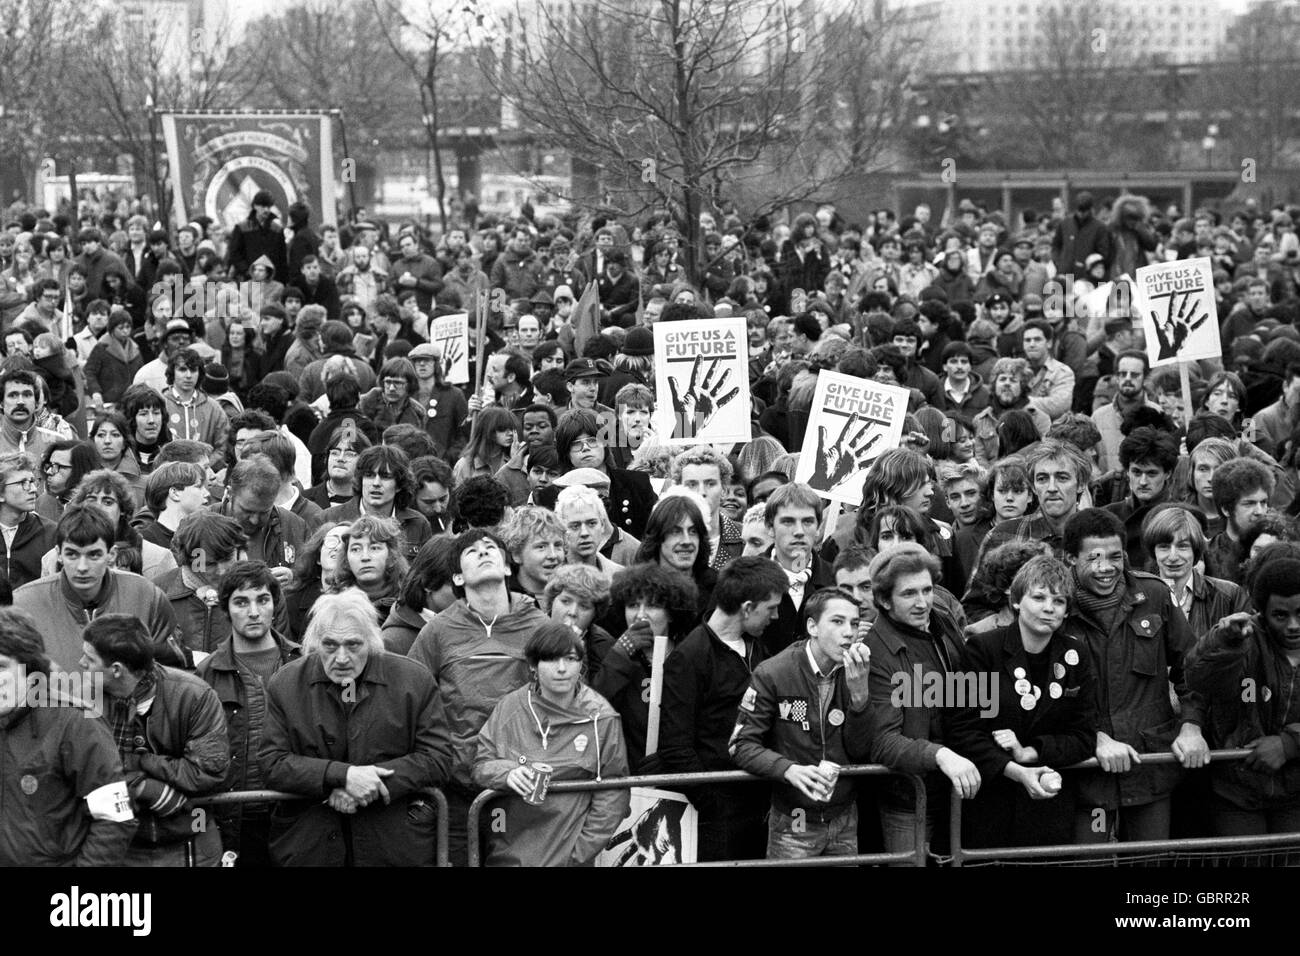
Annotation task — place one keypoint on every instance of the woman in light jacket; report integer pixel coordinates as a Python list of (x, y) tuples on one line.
[(555, 719)]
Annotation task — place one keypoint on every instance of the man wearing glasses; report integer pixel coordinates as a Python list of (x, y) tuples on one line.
[(19, 433), (27, 535), (44, 309), (392, 401)]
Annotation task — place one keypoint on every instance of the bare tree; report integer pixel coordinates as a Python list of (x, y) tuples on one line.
[(1059, 108), (427, 44), (681, 103)]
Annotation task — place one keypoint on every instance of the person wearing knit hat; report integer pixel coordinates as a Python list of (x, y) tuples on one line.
[(258, 235), (640, 341), (216, 384)]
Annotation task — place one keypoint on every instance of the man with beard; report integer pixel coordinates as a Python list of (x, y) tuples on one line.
[(1241, 489), (19, 433), (361, 279), (466, 279), (1011, 378), (1131, 369), (258, 235)]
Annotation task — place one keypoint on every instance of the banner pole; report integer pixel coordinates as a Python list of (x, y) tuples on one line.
[(352, 186), (1186, 381), (658, 656)]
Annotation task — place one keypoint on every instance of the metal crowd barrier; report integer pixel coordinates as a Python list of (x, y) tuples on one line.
[(961, 856), (234, 797), (676, 781)]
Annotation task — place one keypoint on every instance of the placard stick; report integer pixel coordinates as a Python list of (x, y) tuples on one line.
[(480, 360), (832, 518), (657, 658), (1187, 393)]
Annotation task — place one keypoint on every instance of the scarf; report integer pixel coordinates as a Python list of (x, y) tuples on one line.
[(125, 712), (1101, 609)]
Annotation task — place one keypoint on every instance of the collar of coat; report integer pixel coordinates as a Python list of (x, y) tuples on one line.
[(223, 658), (374, 673)]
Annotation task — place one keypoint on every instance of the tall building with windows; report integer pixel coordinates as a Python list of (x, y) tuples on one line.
[(976, 36), (176, 29)]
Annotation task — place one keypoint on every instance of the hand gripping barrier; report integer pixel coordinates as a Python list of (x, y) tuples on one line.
[(961, 856), (236, 797), (677, 781)]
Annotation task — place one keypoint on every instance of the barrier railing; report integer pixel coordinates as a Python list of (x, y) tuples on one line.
[(677, 781), (236, 797), (961, 855)]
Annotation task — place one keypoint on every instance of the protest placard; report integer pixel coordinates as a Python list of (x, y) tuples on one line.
[(851, 423), (450, 334), (1179, 316), (702, 381)]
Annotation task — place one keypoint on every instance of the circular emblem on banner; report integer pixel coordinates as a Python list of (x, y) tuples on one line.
[(229, 196)]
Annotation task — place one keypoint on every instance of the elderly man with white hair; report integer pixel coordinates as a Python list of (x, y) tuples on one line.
[(361, 735)]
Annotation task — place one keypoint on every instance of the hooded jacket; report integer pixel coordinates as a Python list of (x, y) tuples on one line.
[(111, 368), (200, 419), (312, 736), (582, 740), (402, 627), (476, 663), (1220, 672), (266, 292)]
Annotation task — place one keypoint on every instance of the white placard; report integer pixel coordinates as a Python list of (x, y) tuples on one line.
[(1180, 318), (660, 829), (853, 421), (450, 334), (702, 381)]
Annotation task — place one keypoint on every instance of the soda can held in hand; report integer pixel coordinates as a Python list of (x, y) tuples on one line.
[(832, 771), (1050, 781), (541, 784)]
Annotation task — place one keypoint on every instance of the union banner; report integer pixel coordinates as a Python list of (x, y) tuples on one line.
[(219, 160)]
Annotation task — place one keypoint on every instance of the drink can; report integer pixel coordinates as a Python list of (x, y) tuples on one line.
[(541, 783), (229, 857), (1051, 782), (832, 770)]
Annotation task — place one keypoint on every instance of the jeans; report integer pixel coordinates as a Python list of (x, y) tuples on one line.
[(1233, 821), (800, 835), (898, 826), (1123, 824)]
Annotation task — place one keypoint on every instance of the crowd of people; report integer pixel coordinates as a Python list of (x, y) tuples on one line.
[(240, 498)]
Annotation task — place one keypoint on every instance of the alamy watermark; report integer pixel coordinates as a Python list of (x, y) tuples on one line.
[(949, 689), (59, 688)]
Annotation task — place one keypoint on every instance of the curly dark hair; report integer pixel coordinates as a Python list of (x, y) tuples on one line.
[(663, 587)]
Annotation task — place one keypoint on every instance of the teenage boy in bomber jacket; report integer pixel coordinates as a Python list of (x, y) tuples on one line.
[(804, 706)]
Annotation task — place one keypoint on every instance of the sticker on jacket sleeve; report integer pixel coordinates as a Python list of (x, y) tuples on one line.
[(580, 743), (110, 802), (747, 702), (793, 709)]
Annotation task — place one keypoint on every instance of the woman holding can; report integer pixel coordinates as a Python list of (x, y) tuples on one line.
[(553, 729), (1026, 704)]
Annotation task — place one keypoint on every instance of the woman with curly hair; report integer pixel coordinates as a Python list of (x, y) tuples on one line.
[(109, 492), (577, 595), (372, 561), (652, 600), (989, 603)]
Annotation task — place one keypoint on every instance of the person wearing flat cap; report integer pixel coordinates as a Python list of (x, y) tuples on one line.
[(258, 235)]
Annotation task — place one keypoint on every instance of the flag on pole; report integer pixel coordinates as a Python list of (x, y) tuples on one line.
[(586, 317)]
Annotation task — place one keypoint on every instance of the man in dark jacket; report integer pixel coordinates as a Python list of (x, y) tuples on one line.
[(275, 535), (518, 270), (171, 734), (239, 671), (705, 679), (99, 262), (317, 288), (258, 235), (304, 243), (618, 289), (803, 708), (418, 271), (27, 536), (1078, 236), (793, 513), (361, 735), (1138, 639), (383, 475), (79, 811), (1149, 457)]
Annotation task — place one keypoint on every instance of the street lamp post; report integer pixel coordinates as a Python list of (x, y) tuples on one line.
[(1208, 144)]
